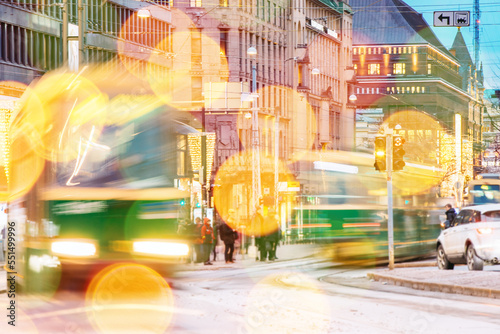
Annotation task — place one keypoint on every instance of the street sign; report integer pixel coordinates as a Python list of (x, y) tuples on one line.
[(452, 19), (294, 186)]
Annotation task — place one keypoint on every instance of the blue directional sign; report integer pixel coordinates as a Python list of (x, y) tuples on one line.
[(452, 19)]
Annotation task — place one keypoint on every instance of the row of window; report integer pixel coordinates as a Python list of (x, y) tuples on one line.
[(374, 69), (266, 10), (384, 50), (46, 7), (397, 68), (119, 21), (391, 90), (271, 12), (441, 59), (108, 18), (28, 48)]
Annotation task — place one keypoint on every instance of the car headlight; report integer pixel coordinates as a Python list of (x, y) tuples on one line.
[(74, 248), (160, 248)]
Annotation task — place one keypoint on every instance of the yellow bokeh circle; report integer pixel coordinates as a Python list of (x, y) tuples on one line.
[(129, 298)]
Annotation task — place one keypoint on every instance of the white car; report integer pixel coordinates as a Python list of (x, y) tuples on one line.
[(473, 239)]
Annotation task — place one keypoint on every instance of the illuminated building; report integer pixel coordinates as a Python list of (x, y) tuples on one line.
[(401, 66)]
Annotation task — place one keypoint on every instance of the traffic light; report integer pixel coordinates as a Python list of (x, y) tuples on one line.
[(398, 153), (380, 154)]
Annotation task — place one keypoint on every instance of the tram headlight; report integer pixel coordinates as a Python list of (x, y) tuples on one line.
[(160, 248), (74, 248)]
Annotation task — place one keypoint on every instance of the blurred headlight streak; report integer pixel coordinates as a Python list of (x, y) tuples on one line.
[(334, 167), (74, 248), (160, 248)]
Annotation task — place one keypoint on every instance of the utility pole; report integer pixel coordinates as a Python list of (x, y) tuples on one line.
[(477, 15), (390, 217), (64, 8), (384, 148), (82, 25), (276, 162), (203, 172), (256, 184)]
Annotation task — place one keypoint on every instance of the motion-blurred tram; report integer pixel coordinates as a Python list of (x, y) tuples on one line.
[(94, 180), (343, 205), (485, 189)]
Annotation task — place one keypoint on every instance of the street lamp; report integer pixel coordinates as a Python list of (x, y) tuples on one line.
[(252, 51), (143, 13), (350, 78)]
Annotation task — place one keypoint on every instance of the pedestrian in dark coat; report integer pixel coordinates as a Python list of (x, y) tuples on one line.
[(450, 215), (228, 235), (216, 228), (275, 236), (259, 232)]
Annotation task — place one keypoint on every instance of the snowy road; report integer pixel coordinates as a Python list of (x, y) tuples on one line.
[(310, 298), (300, 296)]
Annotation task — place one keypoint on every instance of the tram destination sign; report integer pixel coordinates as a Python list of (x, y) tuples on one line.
[(452, 19)]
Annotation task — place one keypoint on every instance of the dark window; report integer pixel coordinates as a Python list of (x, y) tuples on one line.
[(464, 217), (2, 41)]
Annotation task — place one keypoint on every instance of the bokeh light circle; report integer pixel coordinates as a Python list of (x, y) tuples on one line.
[(57, 112), (129, 298), (237, 169), (422, 134), (178, 86)]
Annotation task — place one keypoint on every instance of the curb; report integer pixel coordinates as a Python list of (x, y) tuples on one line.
[(440, 287), (415, 264)]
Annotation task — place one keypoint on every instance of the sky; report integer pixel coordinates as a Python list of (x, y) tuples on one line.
[(489, 38)]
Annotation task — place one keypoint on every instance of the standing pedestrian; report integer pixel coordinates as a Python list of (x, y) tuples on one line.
[(216, 226), (182, 232), (450, 215), (190, 236), (197, 240), (207, 235), (258, 232), (275, 236), (228, 235)]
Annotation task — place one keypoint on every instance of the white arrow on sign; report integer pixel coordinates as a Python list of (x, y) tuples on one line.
[(452, 19)]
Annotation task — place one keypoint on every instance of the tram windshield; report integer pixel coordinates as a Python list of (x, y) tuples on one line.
[(485, 193)]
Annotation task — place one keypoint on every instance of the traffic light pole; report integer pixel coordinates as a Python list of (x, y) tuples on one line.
[(390, 217), (203, 173)]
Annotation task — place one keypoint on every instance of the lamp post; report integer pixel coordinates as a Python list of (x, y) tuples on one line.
[(256, 185), (82, 25), (64, 8)]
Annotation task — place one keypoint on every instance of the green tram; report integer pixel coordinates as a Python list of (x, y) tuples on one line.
[(343, 205), (90, 191), (485, 189)]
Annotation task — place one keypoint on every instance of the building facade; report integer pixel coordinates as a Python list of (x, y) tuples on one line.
[(194, 53), (300, 99), (406, 71)]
